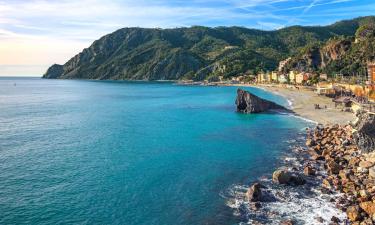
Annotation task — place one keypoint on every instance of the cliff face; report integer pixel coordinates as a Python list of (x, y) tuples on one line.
[(365, 132), (249, 103), (195, 53), (319, 57), (343, 54)]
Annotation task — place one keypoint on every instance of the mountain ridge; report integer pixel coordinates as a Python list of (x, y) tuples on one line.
[(195, 52)]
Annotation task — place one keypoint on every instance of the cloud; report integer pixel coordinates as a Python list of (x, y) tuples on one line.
[(60, 29)]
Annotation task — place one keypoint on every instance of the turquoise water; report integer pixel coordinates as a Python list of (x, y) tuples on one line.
[(95, 152)]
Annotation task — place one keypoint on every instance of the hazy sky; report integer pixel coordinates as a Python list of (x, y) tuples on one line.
[(35, 34)]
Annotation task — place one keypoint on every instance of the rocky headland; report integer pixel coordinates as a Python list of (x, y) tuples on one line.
[(250, 103)]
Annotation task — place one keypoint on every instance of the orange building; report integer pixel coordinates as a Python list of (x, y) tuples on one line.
[(371, 72)]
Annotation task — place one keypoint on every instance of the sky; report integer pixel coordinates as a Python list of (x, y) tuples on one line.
[(34, 34)]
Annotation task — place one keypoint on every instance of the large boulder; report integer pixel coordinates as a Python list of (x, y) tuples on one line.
[(281, 177), (249, 103)]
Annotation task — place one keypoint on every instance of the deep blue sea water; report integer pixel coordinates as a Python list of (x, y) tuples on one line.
[(106, 152)]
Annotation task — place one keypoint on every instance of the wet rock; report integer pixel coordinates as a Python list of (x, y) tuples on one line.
[(319, 219), (254, 193), (281, 177), (255, 206), (310, 142), (327, 184), (309, 171), (287, 222), (297, 180), (249, 103), (335, 219)]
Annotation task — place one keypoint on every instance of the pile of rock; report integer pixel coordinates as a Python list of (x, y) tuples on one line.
[(348, 170)]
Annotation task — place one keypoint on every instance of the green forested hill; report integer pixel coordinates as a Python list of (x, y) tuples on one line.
[(197, 52), (345, 54)]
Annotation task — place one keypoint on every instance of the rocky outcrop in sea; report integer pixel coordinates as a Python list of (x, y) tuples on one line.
[(250, 103)]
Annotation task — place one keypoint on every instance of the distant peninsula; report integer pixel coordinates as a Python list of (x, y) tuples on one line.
[(202, 53)]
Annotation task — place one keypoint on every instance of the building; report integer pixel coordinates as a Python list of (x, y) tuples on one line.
[(323, 88), (292, 76), (269, 77), (323, 76), (371, 72), (283, 78), (300, 78), (262, 77), (274, 76), (307, 76)]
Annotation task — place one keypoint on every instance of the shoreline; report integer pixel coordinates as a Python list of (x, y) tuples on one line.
[(301, 195), (330, 175), (301, 102)]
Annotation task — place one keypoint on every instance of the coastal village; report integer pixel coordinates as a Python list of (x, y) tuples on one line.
[(351, 93)]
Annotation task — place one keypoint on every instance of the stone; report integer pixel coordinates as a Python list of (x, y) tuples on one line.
[(254, 193), (287, 222), (249, 103), (319, 219), (333, 167), (297, 180), (368, 207), (363, 194), (310, 142), (309, 171), (281, 177), (327, 184), (371, 172), (366, 164), (335, 219), (353, 213)]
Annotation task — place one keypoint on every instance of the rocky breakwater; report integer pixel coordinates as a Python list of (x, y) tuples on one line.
[(249, 103), (349, 169)]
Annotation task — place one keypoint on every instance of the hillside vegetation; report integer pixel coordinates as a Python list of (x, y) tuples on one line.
[(201, 53)]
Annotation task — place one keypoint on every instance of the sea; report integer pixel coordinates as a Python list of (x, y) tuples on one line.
[(134, 153)]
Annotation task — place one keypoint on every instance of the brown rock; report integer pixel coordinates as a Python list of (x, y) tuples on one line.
[(353, 213), (368, 207), (333, 167), (310, 142), (317, 157), (287, 222), (335, 219), (254, 193), (366, 164), (281, 177), (371, 172), (309, 171), (327, 183)]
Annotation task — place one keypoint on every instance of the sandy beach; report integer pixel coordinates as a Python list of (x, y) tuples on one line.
[(303, 101)]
